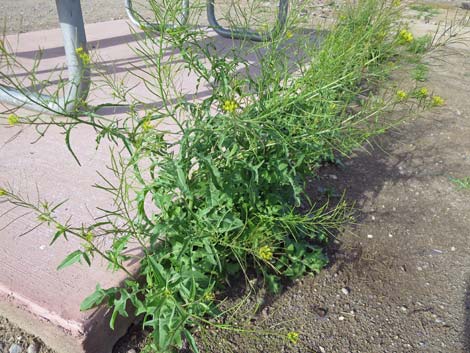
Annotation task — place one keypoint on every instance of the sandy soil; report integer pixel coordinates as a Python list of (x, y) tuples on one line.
[(399, 280)]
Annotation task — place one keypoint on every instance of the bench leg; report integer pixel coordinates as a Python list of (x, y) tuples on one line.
[(240, 33), (76, 90), (139, 22)]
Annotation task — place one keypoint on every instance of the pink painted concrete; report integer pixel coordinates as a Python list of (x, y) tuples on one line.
[(32, 293)]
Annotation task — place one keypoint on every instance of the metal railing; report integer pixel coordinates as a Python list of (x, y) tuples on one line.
[(76, 90), (73, 32)]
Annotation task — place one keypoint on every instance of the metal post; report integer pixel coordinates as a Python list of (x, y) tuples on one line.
[(133, 17), (240, 33), (76, 90)]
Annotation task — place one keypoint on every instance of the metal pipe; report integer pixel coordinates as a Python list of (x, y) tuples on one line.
[(133, 17), (240, 33), (78, 85)]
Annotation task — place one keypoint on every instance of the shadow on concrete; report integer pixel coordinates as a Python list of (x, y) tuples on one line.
[(136, 66), (56, 52)]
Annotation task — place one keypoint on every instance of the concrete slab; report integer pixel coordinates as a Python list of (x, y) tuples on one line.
[(33, 294)]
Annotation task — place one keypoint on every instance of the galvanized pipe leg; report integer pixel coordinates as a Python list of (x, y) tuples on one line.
[(76, 90), (240, 33), (133, 17)]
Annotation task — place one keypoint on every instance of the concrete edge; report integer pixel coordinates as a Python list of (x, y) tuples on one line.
[(59, 334)]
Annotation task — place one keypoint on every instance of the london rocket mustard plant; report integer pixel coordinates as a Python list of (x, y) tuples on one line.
[(223, 193)]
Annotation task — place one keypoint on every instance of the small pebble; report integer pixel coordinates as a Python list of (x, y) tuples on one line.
[(322, 350), (370, 236), (341, 318), (332, 176), (14, 348), (345, 291), (131, 351), (420, 268), (390, 235), (452, 248)]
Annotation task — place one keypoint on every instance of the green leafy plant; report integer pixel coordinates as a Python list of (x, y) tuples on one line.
[(420, 72), (461, 183), (425, 11), (226, 186)]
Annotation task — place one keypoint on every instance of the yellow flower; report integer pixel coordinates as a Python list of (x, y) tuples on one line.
[(3, 192), (289, 34), (265, 253), (84, 57), (437, 101), (89, 236), (406, 36), (382, 35), (401, 95), (265, 27), (230, 106), (209, 296), (44, 218), (293, 337), (147, 125), (13, 119), (423, 93)]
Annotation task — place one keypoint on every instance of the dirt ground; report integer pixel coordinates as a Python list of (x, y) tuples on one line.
[(399, 280)]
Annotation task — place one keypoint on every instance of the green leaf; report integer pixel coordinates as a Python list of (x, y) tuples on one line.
[(71, 259), (273, 283), (119, 307), (69, 147), (158, 270), (56, 236), (94, 299), (191, 341)]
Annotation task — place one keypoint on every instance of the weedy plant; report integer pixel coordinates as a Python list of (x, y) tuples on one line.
[(424, 11), (461, 183), (221, 194)]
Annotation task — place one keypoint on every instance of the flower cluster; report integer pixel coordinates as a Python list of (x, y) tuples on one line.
[(147, 125), (406, 36), (209, 296), (293, 337), (422, 92), (401, 95), (230, 106), (13, 119), (437, 101), (265, 253), (83, 55)]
